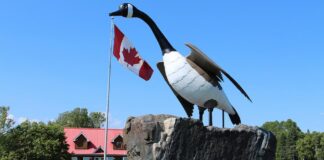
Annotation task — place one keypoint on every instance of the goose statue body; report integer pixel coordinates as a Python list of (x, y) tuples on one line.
[(195, 79)]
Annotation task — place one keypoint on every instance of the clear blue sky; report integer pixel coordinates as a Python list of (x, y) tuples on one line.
[(54, 57)]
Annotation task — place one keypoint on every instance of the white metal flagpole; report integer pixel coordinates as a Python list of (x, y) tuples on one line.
[(108, 87)]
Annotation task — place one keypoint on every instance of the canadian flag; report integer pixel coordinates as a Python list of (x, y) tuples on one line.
[(128, 56)]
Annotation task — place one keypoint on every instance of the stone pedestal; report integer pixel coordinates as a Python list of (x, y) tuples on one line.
[(167, 137)]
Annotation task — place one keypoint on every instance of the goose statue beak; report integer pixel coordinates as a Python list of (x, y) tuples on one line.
[(122, 11), (116, 13)]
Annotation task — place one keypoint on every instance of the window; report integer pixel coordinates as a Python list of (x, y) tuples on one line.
[(99, 150), (118, 143), (81, 142)]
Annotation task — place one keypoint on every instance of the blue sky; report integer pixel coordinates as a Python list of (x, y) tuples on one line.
[(54, 57)]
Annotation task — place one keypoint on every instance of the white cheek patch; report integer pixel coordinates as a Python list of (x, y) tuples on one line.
[(129, 11)]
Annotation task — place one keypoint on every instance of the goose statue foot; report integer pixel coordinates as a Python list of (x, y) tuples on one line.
[(194, 79)]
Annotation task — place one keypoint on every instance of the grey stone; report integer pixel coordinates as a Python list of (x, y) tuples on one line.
[(167, 137)]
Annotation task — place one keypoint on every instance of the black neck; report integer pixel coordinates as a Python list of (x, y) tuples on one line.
[(165, 45)]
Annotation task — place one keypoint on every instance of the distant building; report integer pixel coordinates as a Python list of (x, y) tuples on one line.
[(88, 143)]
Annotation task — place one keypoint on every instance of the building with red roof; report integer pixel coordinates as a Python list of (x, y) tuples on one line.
[(88, 143)]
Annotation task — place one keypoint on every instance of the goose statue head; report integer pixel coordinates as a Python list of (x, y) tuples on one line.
[(126, 10)]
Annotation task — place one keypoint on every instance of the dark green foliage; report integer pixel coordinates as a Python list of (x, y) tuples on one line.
[(80, 118), (97, 119), (287, 133), (76, 118), (311, 147), (34, 141), (40, 141), (5, 122), (292, 144)]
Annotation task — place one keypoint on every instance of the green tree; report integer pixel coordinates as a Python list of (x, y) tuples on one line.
[(311, 146), (287, 134), (97, 119), (80, 118), (5, 122), (293, 133), (35, 141), (320, 153)]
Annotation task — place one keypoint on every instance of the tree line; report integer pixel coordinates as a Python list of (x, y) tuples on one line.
[(293, 144), (39, 140)]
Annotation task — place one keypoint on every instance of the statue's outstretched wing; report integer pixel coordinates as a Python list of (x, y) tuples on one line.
[(214, 70)]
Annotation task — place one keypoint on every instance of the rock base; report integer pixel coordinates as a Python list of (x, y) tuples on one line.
[(167, 137)]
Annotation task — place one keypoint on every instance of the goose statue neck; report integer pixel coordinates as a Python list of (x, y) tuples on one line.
[(165, 45), (130, 11)]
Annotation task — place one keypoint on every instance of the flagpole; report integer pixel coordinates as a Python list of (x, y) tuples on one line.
[(108, 88)]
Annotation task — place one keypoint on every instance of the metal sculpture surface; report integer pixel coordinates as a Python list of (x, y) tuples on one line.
[(195, 79)]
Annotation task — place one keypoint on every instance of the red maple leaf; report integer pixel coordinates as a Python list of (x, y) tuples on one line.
[(130, 56)]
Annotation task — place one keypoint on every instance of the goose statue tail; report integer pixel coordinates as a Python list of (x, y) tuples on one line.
[(235, 118)]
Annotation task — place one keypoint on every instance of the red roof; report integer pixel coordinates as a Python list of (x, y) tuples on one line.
[(96, 137)]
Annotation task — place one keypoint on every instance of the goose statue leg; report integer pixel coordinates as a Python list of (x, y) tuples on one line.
[(210, 104), (210, 110), (201, 113), (223, 119)]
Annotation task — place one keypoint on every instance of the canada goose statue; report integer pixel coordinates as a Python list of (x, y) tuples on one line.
[(195, 79)]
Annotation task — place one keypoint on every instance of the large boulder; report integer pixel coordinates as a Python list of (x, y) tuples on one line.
[(167, 137)]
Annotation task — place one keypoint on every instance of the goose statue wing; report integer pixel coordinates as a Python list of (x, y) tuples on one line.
[(214, 70), (187, 106)]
